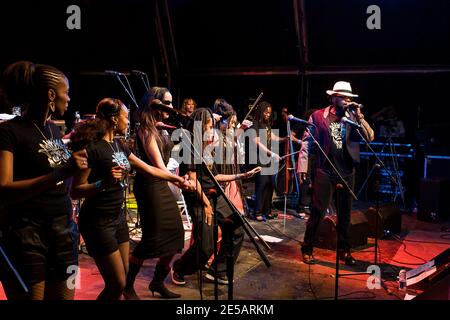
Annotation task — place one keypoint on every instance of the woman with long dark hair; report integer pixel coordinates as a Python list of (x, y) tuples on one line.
[(41, 237), (201, 210), (162, 227), (230, 130), (102, 219)]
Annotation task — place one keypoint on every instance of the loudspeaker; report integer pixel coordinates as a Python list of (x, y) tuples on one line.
[(433, 199), (437, 285), (358, 231), (389, 220), (436, 167), (439, 291)]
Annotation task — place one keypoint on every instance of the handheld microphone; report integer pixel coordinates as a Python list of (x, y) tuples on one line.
[(354, 104), (162, 125), (158, 105), (113, 73), (350, 122), (292, 118)]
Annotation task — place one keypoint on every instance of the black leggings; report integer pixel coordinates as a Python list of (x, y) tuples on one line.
[(264, 191)]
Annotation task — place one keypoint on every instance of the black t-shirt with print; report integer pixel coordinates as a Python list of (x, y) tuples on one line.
[(102, 157), (338, 153), (35, 156)]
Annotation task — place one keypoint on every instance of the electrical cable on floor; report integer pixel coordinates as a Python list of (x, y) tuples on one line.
[(310, 283), (412, 255), (429, 242)]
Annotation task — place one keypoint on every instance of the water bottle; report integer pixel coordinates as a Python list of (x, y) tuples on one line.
[(77, 117), (402, 280)]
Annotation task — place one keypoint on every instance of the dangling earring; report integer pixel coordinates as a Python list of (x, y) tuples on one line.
[(51, 106)]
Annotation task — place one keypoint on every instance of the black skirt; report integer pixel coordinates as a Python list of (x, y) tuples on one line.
[(162, 227)]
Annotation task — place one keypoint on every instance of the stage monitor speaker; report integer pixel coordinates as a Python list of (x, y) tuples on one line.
[(438, 291), (437, 285), (358, 231), (433, 199), (390, 220)]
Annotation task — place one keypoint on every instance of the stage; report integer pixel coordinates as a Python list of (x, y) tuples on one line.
[(289, 278)]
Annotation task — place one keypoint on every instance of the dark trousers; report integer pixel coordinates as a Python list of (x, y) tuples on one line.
[(324, 187), (264, 192), (202, 248)]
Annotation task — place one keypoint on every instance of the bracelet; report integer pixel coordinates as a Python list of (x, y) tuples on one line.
[(99, 185)]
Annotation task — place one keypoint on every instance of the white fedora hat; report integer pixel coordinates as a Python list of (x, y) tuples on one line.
[(342, 88)]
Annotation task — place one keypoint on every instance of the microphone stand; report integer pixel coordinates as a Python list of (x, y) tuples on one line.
[(331, 164), (213, 194), (143, 77), (291, 148), (248, 228), (339, 188), (127, 88), (378, 160), (16, 274), (378, 165)]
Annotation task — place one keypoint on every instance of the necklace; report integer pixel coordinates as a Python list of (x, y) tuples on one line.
[(45, 138), (112, 148)]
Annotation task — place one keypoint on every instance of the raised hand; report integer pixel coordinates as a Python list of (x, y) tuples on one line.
[(117, 175), (187, 184), (251, 173), (246, 124)]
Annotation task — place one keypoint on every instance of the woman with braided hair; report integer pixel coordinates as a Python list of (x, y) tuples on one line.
[(264, 185), (41, 237)]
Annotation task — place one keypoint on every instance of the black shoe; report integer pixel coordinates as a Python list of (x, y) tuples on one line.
[(177, 278), (308, 258), (162, 290), (346, 256), (221, 279), (130, 294), (272, 215), (258, 217)]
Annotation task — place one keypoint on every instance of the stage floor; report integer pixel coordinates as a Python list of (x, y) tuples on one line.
[(289, 278)]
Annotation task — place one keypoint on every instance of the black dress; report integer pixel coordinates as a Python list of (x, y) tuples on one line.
[(162, 228)]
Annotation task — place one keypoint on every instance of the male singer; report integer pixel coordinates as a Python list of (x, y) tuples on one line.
[(335, 130)]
